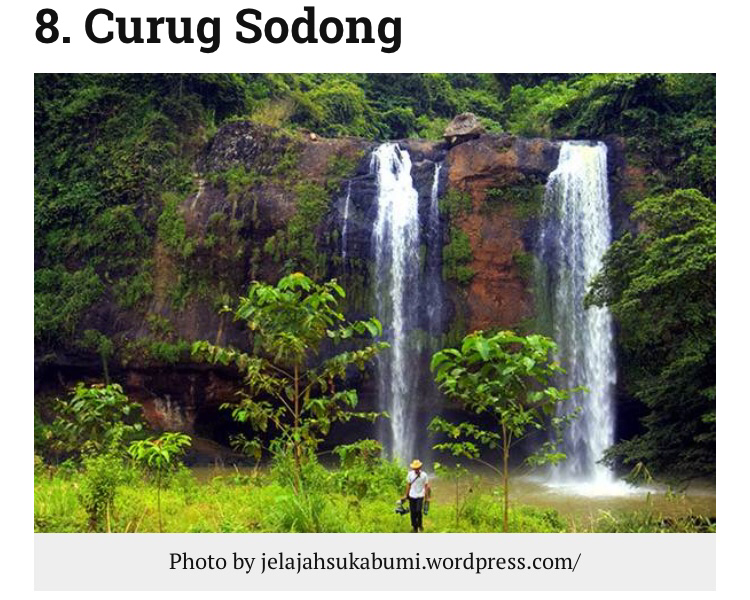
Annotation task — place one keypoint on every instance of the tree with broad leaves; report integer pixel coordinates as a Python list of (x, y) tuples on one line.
[(508, 378), (286, 384), (95, 419)]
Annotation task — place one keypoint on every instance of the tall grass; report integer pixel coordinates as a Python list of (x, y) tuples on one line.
[(330, 501)]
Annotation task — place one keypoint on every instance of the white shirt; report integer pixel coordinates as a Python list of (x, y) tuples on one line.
[(418, 484)]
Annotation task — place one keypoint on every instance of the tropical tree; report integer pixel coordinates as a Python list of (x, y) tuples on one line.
[(94, 419), (159, 454), (660, 285), (287, 385), (508, 378)]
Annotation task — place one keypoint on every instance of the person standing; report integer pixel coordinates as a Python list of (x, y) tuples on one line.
[(417, 489)]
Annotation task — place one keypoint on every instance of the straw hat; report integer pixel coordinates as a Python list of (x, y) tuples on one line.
[(416, 464)]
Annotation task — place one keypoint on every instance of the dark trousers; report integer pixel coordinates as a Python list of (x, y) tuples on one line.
[(415, 512)]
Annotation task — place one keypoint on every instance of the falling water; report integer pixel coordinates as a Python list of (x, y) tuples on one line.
[(574, 235), (346, 220), (433, 271), (396, 247)]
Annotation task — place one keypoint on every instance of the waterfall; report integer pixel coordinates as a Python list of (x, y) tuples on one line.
[(346, 220), (434, 266), (396, 249), (574, 235)]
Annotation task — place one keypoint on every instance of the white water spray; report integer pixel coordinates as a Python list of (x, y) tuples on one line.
[(575, 234), (396, 245), (434, 267), (345, 226)]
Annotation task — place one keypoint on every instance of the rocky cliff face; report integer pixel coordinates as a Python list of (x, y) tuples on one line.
[(498, 172), (263, 198)]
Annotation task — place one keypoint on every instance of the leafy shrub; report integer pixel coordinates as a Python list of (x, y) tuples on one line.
[(101, 477), (96, 419), (364, 471)]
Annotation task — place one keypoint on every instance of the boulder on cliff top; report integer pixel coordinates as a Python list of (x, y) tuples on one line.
[(463, 127)]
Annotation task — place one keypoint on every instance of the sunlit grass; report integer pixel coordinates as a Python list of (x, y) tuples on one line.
[(233, 502)]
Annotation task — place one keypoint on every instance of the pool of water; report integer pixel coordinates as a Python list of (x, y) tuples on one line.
[(586, 501)]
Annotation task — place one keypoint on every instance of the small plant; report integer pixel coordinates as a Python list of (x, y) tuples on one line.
[(359, 461), (455, 475), (102, 475), (159, 455)]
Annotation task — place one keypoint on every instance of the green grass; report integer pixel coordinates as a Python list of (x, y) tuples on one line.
[(240, 502)]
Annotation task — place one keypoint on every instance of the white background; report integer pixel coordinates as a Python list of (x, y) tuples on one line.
[(466, 36)]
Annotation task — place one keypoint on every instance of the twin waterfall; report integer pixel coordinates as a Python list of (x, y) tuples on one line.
[(574, 233)]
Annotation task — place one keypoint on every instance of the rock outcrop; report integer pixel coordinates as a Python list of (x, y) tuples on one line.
[(465, 126), (498, 172)]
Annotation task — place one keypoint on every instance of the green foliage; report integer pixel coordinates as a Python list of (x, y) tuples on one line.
[(170, 353), (171, 229), (526, 200), (285, 386), (238, 179), (97, 342), (364, 472), (106, 146), (61, 298), (648, 522), (457, 255), (509, 379), (668, 119), (344, 108), (661, 287), (131, 292), (103, 474), (339, 168), (297, 244), (455, 203), (455, 475), (400, 121), (159, 455), (232, 501), (115, 153), (94, 420)]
